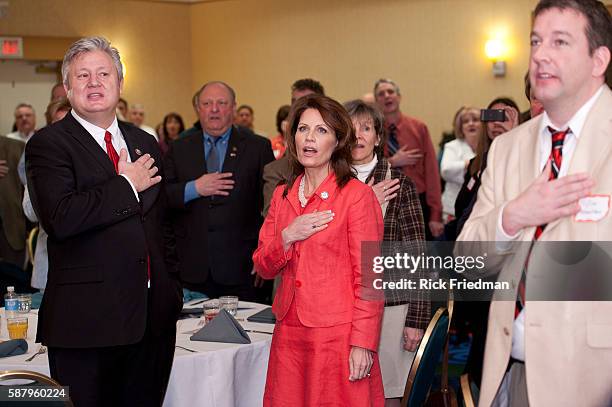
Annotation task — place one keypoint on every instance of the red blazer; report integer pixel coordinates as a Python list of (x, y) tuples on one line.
[(323, 274)]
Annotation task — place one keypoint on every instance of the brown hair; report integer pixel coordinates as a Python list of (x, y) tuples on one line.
[(598, 28), (359, 109), (484, 143), (55, 106), (336, 118)]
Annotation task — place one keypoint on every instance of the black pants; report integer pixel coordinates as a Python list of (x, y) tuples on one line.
[(127, 375)]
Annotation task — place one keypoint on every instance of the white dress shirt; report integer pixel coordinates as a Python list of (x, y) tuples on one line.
[(118, 141), (576, 124)]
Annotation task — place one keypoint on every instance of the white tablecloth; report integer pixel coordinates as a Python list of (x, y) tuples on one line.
[(217, 375)]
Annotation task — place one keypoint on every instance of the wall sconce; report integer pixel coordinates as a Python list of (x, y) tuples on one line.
[(495, 50)]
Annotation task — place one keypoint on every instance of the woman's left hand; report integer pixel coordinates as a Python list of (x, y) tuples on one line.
[(412, 337), (360, 363)]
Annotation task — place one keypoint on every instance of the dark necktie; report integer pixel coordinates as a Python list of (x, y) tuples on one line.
[(392, 144), (556, 159), (213, 160), (110, 150)]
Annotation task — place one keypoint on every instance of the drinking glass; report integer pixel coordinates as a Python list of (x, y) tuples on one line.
[(17, 327), (211, 309), (229, 303)]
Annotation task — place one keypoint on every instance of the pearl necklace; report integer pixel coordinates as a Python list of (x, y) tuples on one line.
[(301, 196)]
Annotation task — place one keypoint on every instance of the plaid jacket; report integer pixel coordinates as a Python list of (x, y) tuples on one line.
[(404, 224)]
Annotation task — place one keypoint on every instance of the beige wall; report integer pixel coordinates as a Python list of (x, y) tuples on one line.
[(154, 40), (432, 48)]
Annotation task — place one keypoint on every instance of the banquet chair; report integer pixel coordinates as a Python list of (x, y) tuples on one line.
[(427, 357), (34, 379), (31, 243), (469, 391)]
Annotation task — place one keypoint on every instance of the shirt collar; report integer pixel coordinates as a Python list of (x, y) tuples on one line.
[(95, 131), (576, 123), (223, 138)]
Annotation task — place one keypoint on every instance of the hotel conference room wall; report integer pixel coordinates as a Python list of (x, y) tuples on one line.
[(154, 39), (434, 49)]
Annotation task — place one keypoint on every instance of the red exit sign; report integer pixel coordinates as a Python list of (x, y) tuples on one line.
[(11, 47)]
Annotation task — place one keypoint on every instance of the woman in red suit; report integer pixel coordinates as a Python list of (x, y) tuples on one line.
[(328, 317)]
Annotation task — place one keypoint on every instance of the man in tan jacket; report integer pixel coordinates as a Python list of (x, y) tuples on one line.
[(537, 188)]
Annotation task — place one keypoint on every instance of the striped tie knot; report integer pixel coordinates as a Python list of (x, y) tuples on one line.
[(556, 153), (558, 137)]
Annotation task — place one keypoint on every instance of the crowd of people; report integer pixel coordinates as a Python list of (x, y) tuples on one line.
[(129, 215)]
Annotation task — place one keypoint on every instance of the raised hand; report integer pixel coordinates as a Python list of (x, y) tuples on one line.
[(305, 226), (545, 201), (385, 190), (214, 184), (140, 172), (404, 157)]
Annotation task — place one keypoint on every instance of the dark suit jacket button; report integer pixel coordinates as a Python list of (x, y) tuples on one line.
[(210, 206), (142, 261), (298, 283)]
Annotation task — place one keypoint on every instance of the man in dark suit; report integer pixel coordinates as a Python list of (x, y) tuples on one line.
[(97, 193), (214, 183)]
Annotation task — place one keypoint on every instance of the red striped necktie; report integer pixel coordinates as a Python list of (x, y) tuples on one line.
[(556, 159)]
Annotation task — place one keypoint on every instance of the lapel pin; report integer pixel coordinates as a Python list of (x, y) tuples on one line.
[(137, 151), (232, 155), (234, 148), (324, 195)]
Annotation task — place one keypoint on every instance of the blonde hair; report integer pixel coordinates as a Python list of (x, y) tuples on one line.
[(463, 112)]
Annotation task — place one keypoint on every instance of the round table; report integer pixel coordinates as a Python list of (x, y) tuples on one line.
[(215, 374)]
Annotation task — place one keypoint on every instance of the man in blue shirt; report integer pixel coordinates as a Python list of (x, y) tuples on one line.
[(214, 185)]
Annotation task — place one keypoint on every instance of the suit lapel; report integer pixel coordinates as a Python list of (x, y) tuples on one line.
[(87, 141), (235, 149), (594, 147), (136, 150), (194, 154), (292, 196), (529, 156)]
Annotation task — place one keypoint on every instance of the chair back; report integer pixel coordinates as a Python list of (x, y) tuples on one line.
[(426, 360), (31, 243), (469, 391), (36, 379)]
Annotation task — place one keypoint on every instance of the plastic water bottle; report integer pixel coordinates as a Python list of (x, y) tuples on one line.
[(11, 304)]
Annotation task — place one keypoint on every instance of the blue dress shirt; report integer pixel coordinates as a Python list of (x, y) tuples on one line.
[(221, 144)]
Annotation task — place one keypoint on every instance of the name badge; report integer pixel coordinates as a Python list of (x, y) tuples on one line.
[(593, 208)]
